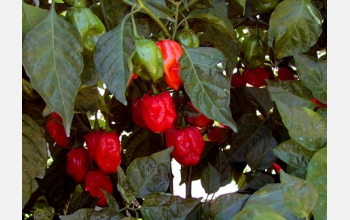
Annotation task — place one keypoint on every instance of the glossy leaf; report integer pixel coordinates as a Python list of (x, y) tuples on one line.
[(51, 57), (166, 206), (294, 25), (317, 176), (34, 156), (210, 179), (258, 211), (291, 92), (157, 7), (305, 126), (259, 156), (207, 86), (31, 16), (271, 195), (112, 59), (313, 75), (299, 196), (293, 154), (227, 205)]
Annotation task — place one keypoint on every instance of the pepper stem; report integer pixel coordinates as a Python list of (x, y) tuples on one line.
[(155, 91), (96, 124)]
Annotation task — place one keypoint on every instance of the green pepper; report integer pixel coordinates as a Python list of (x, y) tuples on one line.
[(253, 52), (187, 38), (88, 24), (148, 60), (266, 6)]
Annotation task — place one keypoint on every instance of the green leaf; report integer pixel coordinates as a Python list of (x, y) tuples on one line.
[(112, 12), (291, 92), (210, 179), (90, 213), (80, 199), (45, 213), (293, 154), (317, 176), (299, 196), (227, 205), (34, 156), (207, 86), (124, 187), (51, 57), (258, 212), (306, 127), (112, 203), (90, 76), (257, 179), (323, 112), (259, 156), (168, 207), (242, 3), (31, 16), (150, 174), (297, 172), (294, 25), (313, 74), (112, 59), (259, 97), (157, 7), (224, 168), (271, 195)]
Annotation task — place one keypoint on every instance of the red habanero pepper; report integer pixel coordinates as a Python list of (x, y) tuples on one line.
[(91, 140), (171, 51), (137, 113), (158, 111), (78, 163), (108, 156), (188, 144), (57, 130), (199, 120), (96, 179)]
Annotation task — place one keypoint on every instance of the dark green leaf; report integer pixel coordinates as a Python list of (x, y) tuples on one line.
[(90, 76), (210, 179), (242, 3), (112, 59), (89, 213), (297, 172), (291, 92), (257, 179), (168, 207), (323, 112), (293, 154), (207, 86), (51, 57), (112, 203), (224, 168), (259, 156), (87, 99), (31, 16), (312, 74), (294, 25), (80, 199), (34, 156), (317, 176), (259, 97), (227, 205), (306, 127), (124, 187), (46, 213), (271, 195), (157, 7), (257, 211), (299, 196), (113, 12)]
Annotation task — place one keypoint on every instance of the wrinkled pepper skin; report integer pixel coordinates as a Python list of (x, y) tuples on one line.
[(57, 130), (91, 140), (148, 60), (256, 77), (158, 111), (172, 51), (188, 144), (187, 38), (78, 163), (108, 156), (137, 113), (96, 179), (253, 52), (88, 24)]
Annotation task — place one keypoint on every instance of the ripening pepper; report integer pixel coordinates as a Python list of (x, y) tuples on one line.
[(57, 130), (172, 51), (187, 38), (158, 111), (188, 144), (148, 60), (88, 24), (78, 163), (91, 140), (137, 113), (96, 179), (253, 52), (108, 156)]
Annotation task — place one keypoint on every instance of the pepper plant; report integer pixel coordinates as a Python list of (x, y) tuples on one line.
[(128, 77)]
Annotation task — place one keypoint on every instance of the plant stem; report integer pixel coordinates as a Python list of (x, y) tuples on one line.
[(188, 5), (155, 18), (189, 182), (177, 5)]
